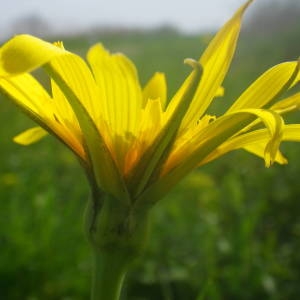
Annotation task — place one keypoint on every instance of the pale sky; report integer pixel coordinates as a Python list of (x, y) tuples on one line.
[(187, 15)]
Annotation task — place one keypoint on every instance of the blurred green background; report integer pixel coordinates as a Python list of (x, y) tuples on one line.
[(230, 230)]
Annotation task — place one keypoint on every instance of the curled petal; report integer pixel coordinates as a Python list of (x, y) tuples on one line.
[(24, 53)]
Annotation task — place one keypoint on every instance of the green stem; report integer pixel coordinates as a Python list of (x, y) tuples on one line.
[(108, 275), (117, 234)]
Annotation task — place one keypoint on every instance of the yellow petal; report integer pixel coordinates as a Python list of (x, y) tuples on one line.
[(254, 142), (120, 100), (120, 93), (24, 53), (28, 94), (30, 136), (34, 100), (151, 122), (80, 80), (156, 88), (150, 126), (220, 92), (291, 132), (215, 62), (288, 104), (258, 149), (274, 124), (267, 87)]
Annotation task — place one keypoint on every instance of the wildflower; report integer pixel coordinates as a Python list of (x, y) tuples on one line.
[(133, 143)]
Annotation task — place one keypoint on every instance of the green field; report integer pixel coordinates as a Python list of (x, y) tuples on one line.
[(231, 230)]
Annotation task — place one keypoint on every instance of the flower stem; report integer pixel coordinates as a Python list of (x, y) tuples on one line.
[(108, 275), (117, 234)]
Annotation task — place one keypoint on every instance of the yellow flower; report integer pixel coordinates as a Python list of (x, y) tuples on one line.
[(133, 142)]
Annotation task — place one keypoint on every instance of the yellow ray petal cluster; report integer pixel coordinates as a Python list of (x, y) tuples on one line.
[(133, 142)]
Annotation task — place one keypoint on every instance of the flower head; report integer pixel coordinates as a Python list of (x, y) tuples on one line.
[(133, 142)]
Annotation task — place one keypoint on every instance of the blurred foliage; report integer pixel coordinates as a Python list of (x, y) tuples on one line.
[(230, 230)]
